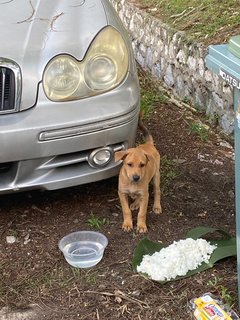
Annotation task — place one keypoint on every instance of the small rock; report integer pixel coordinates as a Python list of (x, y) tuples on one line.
[(115, 214), (11, 239), (231, 194), (27, 239)]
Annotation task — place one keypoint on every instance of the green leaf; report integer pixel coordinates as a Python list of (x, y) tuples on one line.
[(145, 246), (198, 232), (226, 247)]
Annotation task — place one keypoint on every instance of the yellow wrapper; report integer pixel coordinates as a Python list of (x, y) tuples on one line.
[(208, 309)]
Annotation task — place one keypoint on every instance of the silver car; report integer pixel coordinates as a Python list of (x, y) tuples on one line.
[(69, 93)]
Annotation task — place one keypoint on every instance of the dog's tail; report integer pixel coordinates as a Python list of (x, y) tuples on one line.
[(147, 135)]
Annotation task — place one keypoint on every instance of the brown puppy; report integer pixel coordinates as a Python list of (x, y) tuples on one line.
[(140, 166)]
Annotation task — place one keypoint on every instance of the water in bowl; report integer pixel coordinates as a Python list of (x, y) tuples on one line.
[(83, 254)]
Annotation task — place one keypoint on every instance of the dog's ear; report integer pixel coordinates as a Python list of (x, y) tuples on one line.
[(120, 155), (149, 156)]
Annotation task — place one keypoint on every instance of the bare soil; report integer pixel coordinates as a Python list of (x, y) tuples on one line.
[(197, 190)]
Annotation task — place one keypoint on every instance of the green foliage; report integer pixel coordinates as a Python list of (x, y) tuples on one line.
[(96, 223), (199, 130)]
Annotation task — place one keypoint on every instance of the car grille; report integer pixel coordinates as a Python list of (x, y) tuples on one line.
[(10, 86), (7, 89)]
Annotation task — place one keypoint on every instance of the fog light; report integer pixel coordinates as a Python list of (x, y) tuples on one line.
[(100, 157)]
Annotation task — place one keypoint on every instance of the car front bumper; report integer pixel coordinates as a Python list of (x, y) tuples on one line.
[(48, 146)]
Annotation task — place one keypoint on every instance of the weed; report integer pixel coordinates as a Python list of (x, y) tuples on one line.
[(76, 272), (199, 130), (91, 278), (226, 295), (214, 281), (168, 174), (88, 276), (96, 222), (186, 100), (148, 99), (223, 292), (150, 92)]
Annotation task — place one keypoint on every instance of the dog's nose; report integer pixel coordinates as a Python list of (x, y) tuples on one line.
[(136, 177)]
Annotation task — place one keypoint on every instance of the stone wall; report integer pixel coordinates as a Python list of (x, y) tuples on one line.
[(178, 62)]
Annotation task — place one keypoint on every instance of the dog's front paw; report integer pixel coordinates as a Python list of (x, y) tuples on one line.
[(157, 209), (127, 226), (142, 228)]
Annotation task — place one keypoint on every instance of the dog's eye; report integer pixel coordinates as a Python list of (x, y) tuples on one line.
[(130, 164), (142, 165)]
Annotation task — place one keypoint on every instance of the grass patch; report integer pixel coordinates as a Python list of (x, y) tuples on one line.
[(46, 281), (204, 19), (199, 130), (168, 174), (148, 99), (150, 93)]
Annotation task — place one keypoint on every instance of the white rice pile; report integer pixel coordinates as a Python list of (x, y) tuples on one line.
[(176, 259)]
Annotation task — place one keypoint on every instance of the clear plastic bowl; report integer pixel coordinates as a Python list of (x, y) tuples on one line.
[(83, 249)]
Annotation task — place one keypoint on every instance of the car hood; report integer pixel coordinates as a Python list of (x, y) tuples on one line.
[(34, 31)]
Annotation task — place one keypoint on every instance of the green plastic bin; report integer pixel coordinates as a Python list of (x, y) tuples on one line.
[(234, 46), (224, 60)]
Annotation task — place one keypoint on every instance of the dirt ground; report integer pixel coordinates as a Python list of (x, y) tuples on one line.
[(197, 190)]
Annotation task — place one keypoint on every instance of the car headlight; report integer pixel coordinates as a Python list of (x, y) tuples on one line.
[(103, 68), (61, 78), (100, 73)]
